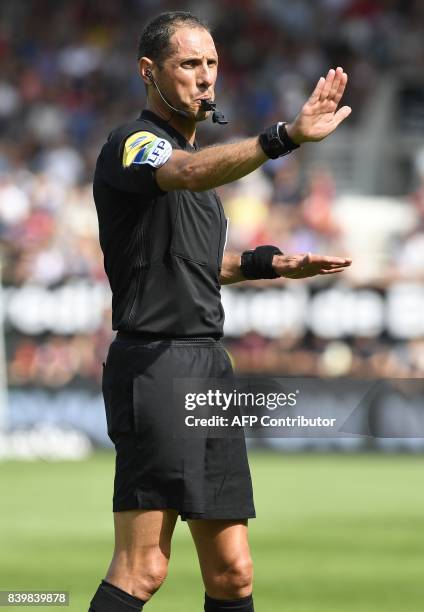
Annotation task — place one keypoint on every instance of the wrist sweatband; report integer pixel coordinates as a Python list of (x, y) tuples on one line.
[(258, 263), (275, 141)]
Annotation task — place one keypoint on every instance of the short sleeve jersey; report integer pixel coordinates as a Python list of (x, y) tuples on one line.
[(162, 250)]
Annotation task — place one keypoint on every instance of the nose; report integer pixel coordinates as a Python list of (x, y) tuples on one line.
[(205, 75)]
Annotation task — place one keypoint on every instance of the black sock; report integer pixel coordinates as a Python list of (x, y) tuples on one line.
[(245, 604), (109, 598)]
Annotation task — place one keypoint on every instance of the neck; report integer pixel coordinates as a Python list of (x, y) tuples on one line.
[(186, 127)]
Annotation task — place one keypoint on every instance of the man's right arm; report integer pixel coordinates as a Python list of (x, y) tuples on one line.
[(223, 164)]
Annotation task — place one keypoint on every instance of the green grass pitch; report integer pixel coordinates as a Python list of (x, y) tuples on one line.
[(334, 533)]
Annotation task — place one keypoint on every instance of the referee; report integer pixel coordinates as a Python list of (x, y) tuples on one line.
[(162, 231)]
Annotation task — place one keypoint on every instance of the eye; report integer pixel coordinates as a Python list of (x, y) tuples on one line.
[(189, 63)]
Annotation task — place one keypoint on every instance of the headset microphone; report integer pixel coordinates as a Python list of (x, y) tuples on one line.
[(205, 105), (217, 116)]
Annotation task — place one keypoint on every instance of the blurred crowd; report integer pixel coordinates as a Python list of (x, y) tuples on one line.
[(56, 361), (68, 75), (364, 358)]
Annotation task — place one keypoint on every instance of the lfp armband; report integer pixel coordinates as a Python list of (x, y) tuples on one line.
[(145, 148)]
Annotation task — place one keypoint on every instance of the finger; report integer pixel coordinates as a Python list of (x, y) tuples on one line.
[(337, 271), (330, 259), (341, 89), (317, 91), (336, 83), (342, 114), (327, 85), (333, 266)]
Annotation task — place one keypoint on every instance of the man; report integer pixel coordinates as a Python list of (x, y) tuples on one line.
[(162, 231)]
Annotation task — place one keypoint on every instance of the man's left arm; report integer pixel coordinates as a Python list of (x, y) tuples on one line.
[(301, 265)]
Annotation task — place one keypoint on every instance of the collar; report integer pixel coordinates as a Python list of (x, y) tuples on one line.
[(164, 125)]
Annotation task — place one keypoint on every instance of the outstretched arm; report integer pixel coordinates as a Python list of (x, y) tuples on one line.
[(218, 165), (302, 265)]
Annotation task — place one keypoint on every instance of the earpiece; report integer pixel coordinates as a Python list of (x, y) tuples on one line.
[(149, 74)]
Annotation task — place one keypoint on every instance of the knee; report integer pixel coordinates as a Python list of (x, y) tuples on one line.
[(151, 579), (239, 578), (234, 582), (143, 580)]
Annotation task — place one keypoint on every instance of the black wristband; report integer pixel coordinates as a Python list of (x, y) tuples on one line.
[(258, 263), (275, 141)]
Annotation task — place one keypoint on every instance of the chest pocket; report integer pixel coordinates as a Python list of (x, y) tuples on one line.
[(197, 228)]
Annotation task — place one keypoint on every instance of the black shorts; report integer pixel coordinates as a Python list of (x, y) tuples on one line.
[(202, 478)]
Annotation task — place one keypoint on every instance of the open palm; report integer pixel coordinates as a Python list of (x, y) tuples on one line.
[(303, 265), (320, 115)]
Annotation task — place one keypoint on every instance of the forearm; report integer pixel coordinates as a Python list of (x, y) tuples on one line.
[(230, 269), (211, 167)]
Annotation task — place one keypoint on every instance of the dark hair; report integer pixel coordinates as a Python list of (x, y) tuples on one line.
[(154, 40)]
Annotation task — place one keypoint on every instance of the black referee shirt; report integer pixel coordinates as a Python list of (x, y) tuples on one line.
[(162, 250)]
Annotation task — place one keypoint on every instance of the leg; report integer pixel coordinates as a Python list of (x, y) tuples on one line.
[(142, 550), (224, 557)]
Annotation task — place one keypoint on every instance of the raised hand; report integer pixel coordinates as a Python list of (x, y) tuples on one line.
[(306, 264), (320, 115)]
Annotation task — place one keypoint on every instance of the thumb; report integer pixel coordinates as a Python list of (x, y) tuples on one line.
[(342, 114)]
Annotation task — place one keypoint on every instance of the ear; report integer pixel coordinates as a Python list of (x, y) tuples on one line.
[(144, 65)]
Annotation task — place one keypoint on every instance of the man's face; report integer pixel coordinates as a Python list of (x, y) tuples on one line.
[(189, 73)]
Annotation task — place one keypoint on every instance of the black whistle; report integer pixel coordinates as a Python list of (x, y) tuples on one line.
[(217, 116)]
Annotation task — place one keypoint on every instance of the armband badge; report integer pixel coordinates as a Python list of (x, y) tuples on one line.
[(146, 148)]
